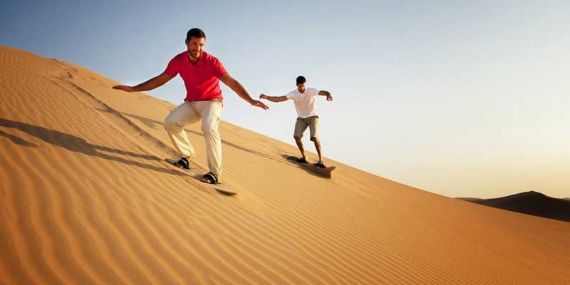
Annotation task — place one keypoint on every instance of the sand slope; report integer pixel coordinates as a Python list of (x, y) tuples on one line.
[(86, 198)]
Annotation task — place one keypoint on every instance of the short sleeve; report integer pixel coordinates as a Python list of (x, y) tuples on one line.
[(292, 95), (315, 91), (172, 68), (218, 68)]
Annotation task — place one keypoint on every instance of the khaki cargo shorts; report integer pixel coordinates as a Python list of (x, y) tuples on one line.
[(302, 124)]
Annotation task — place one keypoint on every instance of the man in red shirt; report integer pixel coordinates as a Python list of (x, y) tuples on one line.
[(201, 73)]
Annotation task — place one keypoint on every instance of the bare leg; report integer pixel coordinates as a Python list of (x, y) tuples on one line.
[(318, 147), (300, 145)]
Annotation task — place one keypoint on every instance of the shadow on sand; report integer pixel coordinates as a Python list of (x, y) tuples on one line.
[(78, 144)]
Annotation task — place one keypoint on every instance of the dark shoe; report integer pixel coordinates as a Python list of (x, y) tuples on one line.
[(181, 162), (301, 160), (320, 164), (210, 178)]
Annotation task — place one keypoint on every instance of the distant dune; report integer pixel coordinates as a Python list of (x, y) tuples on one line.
[(86, 198), (531, 203)]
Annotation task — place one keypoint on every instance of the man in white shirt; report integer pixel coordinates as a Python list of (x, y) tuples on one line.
[(305, 100)]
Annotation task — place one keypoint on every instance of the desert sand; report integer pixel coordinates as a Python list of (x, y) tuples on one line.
[(86, 198)]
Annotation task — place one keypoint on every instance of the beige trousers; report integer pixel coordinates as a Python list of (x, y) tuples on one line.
[(191, 112)]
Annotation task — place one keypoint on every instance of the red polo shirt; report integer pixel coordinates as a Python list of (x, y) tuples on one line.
[(201, 79)]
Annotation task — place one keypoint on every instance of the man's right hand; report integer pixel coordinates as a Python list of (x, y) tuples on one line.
[(259, 104), (124, 88)]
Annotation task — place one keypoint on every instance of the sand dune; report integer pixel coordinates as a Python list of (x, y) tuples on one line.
[(531, 203), (86, 198)]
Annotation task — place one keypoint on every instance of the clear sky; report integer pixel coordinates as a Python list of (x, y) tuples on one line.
[(460, 98)]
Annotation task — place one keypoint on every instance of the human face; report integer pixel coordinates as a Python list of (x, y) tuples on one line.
[(195, 48), (301, 87)]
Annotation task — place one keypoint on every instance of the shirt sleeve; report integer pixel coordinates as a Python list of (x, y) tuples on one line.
[(315, 91), (218, 68), (292, 95), (172, 68)]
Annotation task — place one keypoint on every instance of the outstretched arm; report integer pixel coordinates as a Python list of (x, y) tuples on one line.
[(327, 94), (241, 92), (275, 99), (150, 84)]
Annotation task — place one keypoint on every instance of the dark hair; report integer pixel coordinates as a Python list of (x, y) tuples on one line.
[(196, 33), (301, 79)]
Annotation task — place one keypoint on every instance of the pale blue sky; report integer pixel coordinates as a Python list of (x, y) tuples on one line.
[(455, 97)]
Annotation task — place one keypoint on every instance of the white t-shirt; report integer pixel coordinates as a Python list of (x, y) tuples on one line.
[(306, 102)]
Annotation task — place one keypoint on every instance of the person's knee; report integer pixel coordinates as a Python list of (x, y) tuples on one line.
[(209, 128), (169, 124), (297, 138), (315, 139)]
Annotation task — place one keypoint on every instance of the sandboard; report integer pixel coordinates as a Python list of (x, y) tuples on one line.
[(325, 172), (224, 190), (220, 188)]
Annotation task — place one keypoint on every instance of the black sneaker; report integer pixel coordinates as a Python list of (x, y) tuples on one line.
[(210, 178), (301, 160), (181, 162), (320, 165)]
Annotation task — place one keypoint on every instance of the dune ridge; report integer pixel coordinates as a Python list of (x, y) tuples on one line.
[(87, 199)]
